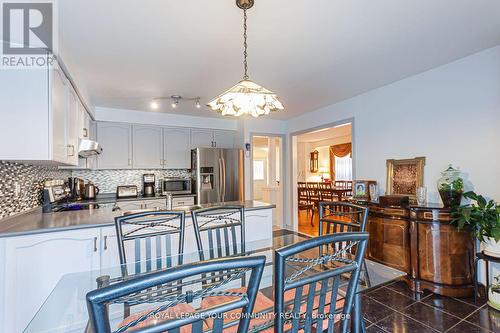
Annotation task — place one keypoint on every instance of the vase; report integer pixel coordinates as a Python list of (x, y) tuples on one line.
[(491, 247), (494, 298), (450, 187)]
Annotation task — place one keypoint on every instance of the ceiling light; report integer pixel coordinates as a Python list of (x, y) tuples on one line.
[(154, 105), (198, 105), (175, 101), (246, 97)]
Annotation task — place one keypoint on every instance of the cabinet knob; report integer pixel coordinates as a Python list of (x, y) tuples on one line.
[(95, 244), (71, 150), (105, 242), (85, 133)]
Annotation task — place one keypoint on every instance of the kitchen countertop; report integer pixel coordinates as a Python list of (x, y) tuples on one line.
[(35, 222)]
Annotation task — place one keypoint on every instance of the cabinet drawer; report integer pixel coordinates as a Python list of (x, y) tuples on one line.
[(182, 201)]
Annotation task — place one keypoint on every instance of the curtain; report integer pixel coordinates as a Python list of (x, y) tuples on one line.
[(343, 168), (341, 150)]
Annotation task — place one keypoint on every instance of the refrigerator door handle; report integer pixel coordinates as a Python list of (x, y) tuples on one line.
[(220, 180)]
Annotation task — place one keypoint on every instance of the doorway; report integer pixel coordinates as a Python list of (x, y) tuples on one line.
[(267, 173), (322, 158)]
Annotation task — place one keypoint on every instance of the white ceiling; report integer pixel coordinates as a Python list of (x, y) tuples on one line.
[(310, 52)]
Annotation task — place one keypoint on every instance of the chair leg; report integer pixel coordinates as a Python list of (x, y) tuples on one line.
[(312, 217)]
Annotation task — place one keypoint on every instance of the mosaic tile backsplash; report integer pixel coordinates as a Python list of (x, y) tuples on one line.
[(108, 180), (30, 180)]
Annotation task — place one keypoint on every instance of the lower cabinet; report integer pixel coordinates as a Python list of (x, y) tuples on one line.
[(32, 265)]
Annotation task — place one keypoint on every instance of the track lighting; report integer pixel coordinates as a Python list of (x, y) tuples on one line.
[(155, 102)]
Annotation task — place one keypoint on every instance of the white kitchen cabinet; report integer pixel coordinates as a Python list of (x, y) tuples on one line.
[(223, 139), (72, 127), (110, 256), (201, 138), (177, 148), (39, 120), (116, 142), (32, 265), (147, 147), (158, 204)]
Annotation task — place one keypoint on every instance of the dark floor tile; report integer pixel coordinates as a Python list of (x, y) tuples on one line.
[(374, 329), (450, 305), (478, 302), (402, 288), (398, 323), (431, 316), (464, 326), (486, 317), (373, 310), (391, 298)]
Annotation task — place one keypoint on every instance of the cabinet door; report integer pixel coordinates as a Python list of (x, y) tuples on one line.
[(177, 148), (147, 147), (33, 265), (72, 127), (130, 205), (58, 117), (201, 138), (110, 256), (156, 204), (224, 139), (115, 139)]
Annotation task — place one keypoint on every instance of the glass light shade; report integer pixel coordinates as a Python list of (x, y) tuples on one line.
[(246, 97)]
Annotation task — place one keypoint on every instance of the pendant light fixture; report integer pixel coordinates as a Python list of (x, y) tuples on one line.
[(246, 97)]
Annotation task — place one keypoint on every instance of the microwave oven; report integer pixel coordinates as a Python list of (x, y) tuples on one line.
[(176, 186)]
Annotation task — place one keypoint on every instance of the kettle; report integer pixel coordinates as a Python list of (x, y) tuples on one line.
[(90, 191)]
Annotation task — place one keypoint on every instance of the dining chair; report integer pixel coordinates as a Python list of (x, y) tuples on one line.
[(311, 296), (179, 312), (301, 185), (219, 231), (304, 202), (149, 239), (340, 216)]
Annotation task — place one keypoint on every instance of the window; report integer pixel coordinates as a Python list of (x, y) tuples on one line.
[(258, 170), (343, 168)]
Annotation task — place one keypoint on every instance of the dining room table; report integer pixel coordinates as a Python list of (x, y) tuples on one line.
[(65, 309)]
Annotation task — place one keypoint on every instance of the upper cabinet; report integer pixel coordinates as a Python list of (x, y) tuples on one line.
[(116, 141), (202, 138), (127, 146), (177, 148), (147, 147), (39, 116), (205, 138), (224, 139)]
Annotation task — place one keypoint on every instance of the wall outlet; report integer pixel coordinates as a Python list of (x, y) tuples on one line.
[(17, 189)]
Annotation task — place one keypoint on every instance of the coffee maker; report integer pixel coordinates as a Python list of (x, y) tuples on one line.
[(148, 185)]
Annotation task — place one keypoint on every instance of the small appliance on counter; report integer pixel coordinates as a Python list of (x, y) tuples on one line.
[(175, 186), (90, 191), (148, 185), (126, 191), (77, 188), (54, 192)]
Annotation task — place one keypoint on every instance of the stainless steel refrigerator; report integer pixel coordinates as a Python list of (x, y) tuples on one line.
[(217, 175)]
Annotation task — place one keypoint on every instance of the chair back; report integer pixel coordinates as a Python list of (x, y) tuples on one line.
[(324, 186), (301, 185), (312, 185), (314, 282), (149, 239), (303, 196), (164, 315), (339, 216), (220, 231)]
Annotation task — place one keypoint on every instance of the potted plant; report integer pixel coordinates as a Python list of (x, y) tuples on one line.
[(494, 293), (450, 187), (482, 218)]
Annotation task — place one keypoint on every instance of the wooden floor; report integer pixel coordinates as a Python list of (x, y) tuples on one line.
[(305, 226)]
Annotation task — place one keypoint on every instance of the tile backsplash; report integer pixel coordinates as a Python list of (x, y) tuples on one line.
[(29, 180), (108, 180)]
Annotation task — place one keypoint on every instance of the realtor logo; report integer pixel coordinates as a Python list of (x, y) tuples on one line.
[(27, 27)]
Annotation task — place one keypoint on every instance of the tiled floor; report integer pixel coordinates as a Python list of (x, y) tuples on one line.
[(394, 308)]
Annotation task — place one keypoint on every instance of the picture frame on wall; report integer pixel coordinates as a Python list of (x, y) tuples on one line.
[(404, 176), (361, 189)]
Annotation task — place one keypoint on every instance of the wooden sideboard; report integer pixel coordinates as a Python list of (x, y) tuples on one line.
[(421, 242)]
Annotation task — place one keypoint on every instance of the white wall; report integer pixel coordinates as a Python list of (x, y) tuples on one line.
[(450, 114)]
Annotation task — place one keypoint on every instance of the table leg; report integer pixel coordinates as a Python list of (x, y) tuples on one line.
[(357, 322)]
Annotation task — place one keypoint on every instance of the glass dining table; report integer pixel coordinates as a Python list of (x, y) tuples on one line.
[(65, 309)]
